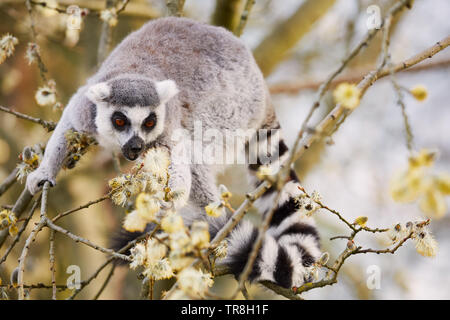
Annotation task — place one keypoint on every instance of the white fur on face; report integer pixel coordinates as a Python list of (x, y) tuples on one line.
[(106, 134), (113, 139), (109, 137)]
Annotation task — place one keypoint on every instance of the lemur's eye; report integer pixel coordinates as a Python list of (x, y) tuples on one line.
[(150, 123), (119, 121)]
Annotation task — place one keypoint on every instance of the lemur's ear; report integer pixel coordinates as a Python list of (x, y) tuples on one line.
[(166, 89), (99, 92)]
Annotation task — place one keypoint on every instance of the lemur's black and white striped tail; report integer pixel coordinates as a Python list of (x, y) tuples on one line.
[(291, 243)]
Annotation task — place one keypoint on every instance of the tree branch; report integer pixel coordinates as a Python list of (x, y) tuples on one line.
[(49, 125), (175, 7), (274, 48)]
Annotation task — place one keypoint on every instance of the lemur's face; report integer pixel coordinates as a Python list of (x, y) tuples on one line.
[(130, 112)]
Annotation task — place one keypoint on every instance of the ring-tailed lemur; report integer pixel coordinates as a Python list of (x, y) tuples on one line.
[(168, 75)]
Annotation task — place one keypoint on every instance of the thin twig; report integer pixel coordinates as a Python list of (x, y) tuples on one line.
[(130, 244), (84, 206), (31, 238), (42, 69), (87, 242), (22, 229), (52, 262), (244, 17), (8, 182), (105, 283), (49, 125)]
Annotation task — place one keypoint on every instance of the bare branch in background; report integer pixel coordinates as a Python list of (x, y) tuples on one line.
[(42, 68), (8, 182), (275, 47), (38, 227), (227, 14), (49, 125), (104, 44), (244, 17), (294, 87), (175, 7), (52, 263), (136, 9)]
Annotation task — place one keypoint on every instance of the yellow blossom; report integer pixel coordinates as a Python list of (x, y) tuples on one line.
[(221, 250), (13, 230), (155, 251), (419, 92), (156, 162), (8, 220), (312, 272), (315, 196), (194, 282), (159, 270), (264, 171), (7, 43), (397, 233), (117, 182), (433, 202), (109, 16), (323, 259), (200, 234), (442, 182), (215, 209), (180, 242), (416, 182), (426, 245), (361, 221), (225, 194), (45, 96), (172, 223), (134, 222), (347, 95), (179, 261), (147, 206), (406, 186), (31, 158), (424, 158), (307, 205), (120, 197), (138, 255)]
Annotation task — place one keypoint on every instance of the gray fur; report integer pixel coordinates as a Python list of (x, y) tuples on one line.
[(133, 92)]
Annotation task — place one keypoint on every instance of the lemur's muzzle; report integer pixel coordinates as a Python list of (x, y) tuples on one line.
[(133, 148)]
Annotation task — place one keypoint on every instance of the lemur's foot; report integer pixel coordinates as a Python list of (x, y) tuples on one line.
[(36, 180)]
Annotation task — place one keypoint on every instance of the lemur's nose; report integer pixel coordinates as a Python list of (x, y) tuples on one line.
[(136, 145), (133, 148)]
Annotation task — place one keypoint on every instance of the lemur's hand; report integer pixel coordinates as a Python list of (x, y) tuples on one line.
[(37, 178)]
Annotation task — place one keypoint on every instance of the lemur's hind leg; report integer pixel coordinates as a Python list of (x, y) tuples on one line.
[(292, 241)]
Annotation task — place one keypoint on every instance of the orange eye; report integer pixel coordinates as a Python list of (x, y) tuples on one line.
[(120, 122), (150, 123)]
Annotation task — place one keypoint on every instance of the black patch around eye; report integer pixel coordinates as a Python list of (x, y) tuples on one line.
[(149, 122), (118, 117)]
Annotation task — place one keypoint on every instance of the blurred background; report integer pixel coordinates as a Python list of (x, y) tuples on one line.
[(297, 44)]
